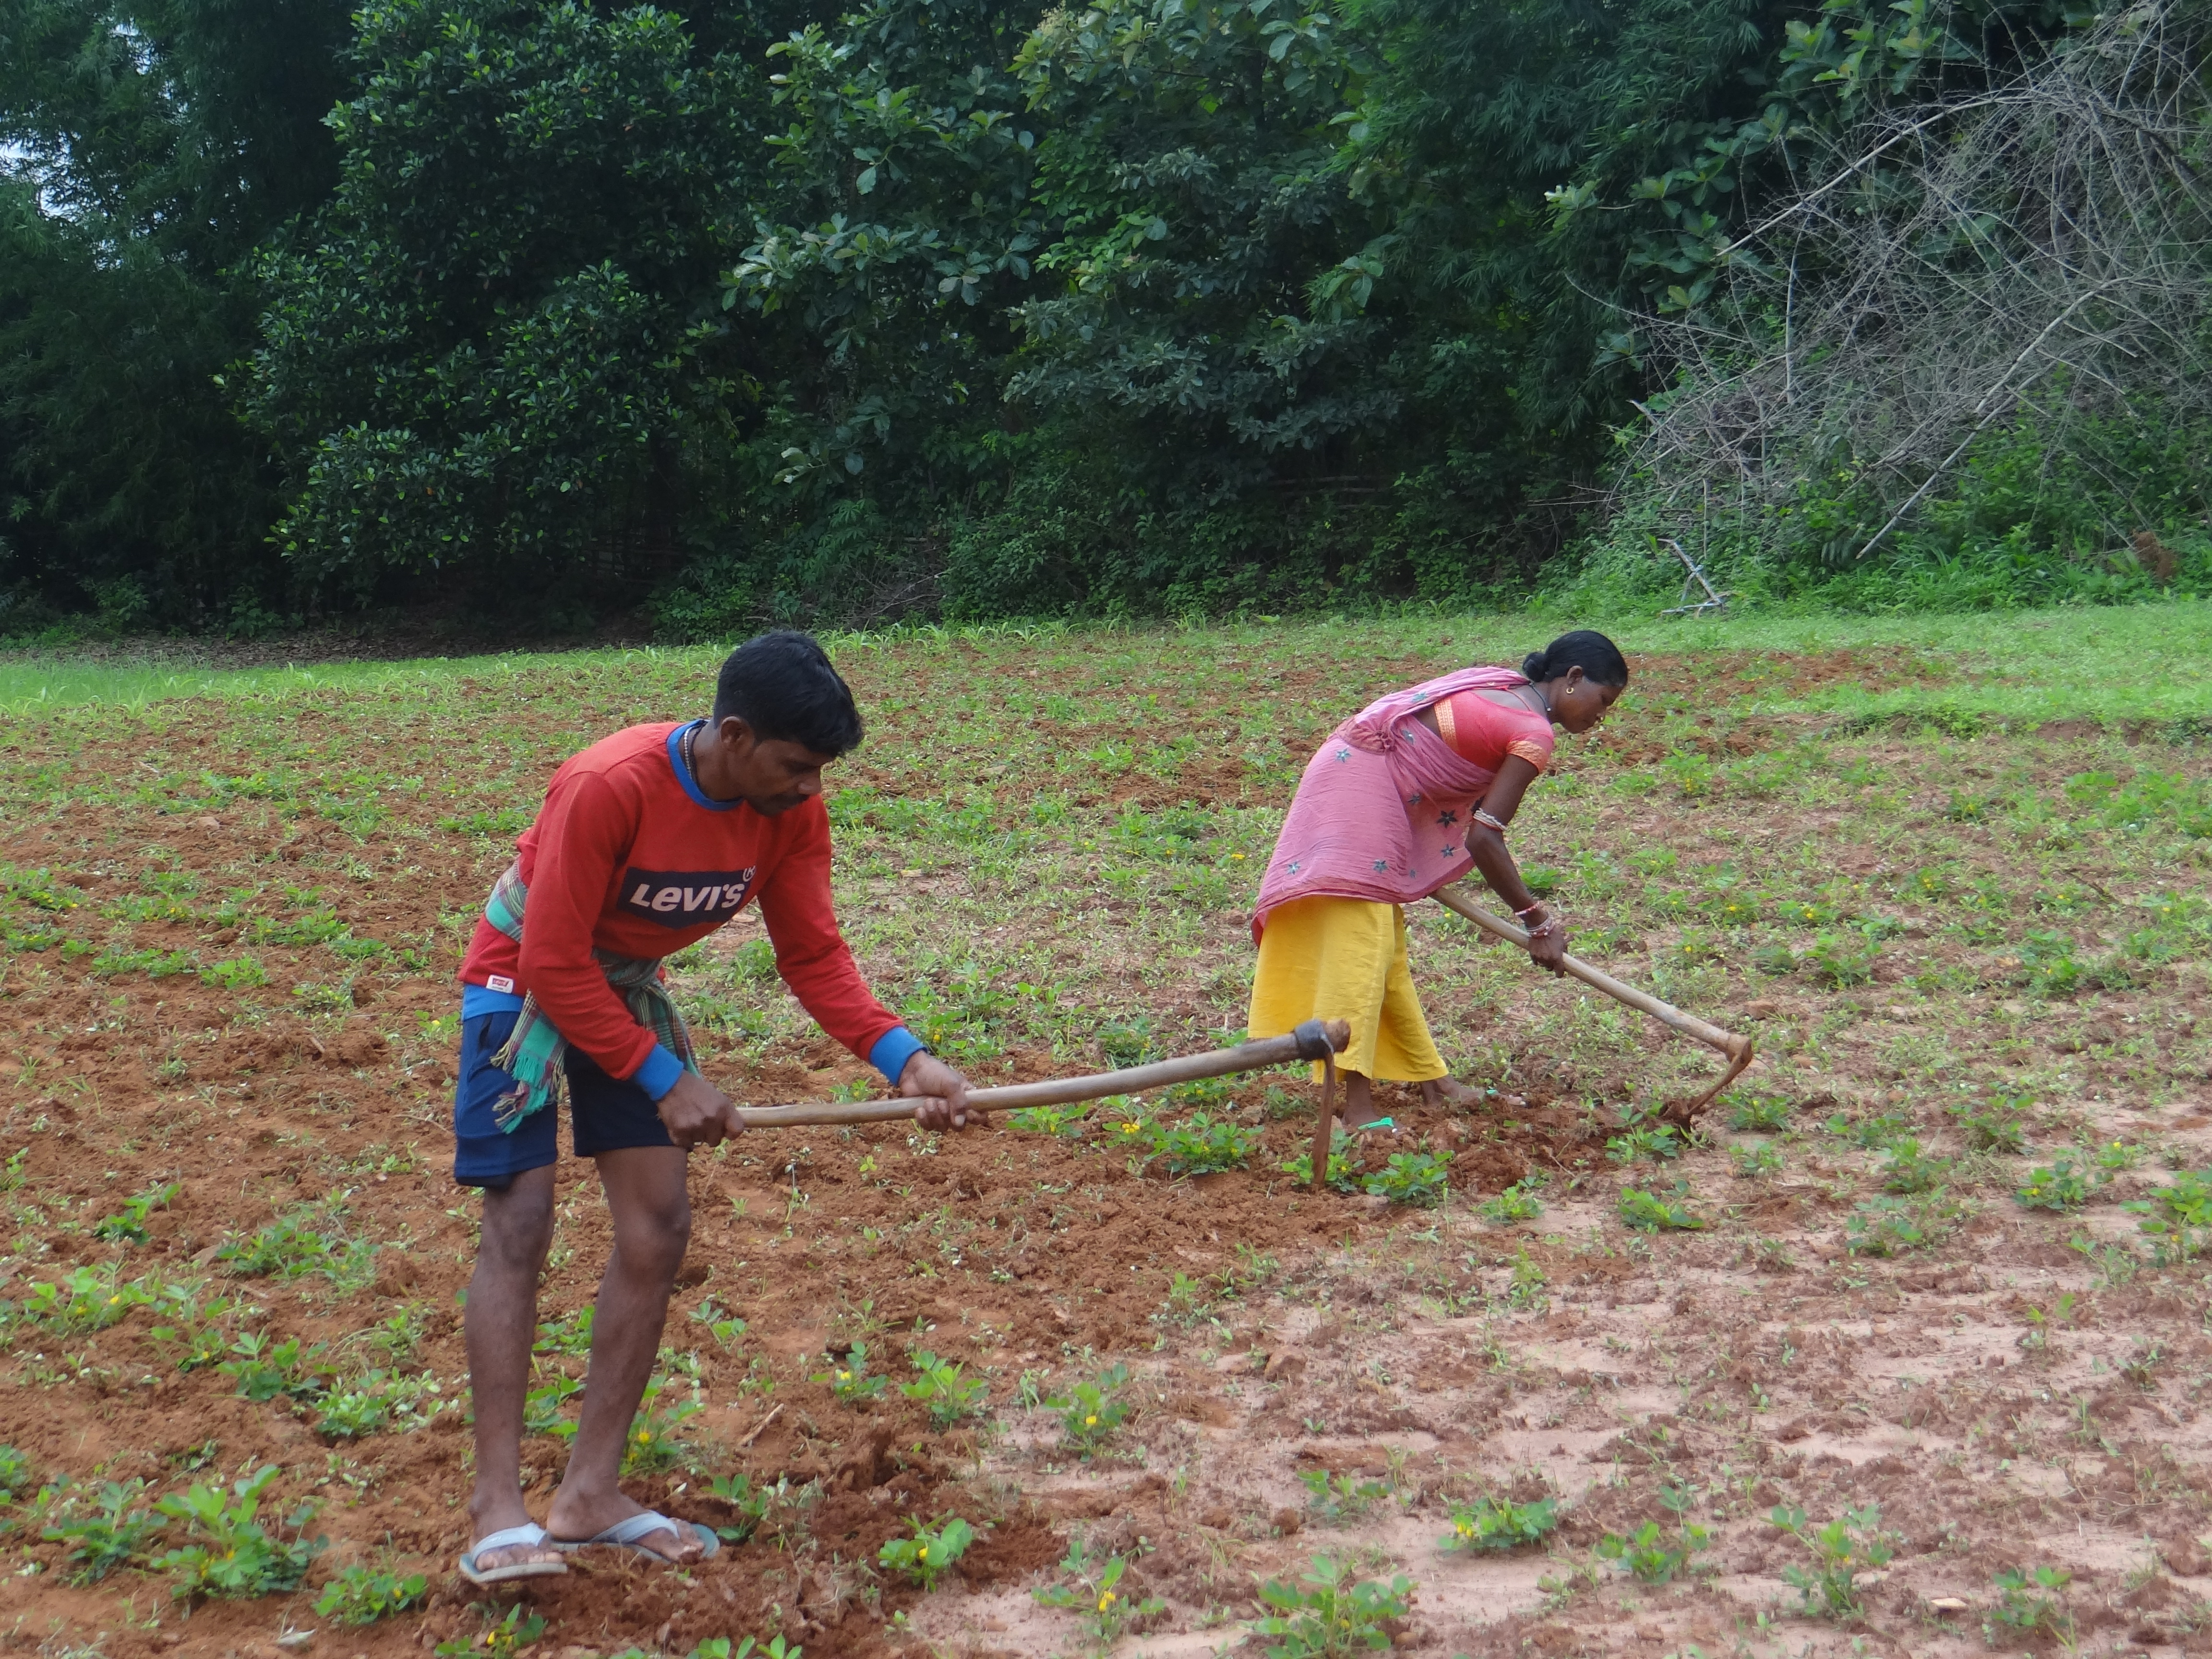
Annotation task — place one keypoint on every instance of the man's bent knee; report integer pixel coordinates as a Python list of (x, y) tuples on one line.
[(517, 1222), (654, 1244)]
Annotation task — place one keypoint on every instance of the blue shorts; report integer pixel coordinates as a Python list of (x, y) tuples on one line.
[(605, 1113)]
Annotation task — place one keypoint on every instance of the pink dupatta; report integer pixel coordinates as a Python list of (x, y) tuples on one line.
[(1382, 810)]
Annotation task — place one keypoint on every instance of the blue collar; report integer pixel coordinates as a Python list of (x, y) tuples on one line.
[(683, 773)]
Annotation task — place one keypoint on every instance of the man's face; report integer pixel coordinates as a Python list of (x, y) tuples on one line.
[(774, 774)]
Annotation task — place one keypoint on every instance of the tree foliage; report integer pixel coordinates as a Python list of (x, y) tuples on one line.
[(952, 306)]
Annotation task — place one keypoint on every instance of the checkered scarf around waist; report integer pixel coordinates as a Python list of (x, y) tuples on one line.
[(535, 1054)]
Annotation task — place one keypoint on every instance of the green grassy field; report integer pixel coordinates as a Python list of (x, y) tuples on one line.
[(1938, 1262)]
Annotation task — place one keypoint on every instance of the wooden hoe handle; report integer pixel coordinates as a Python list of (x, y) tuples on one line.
[(1315, 1040), (1739, 1050)]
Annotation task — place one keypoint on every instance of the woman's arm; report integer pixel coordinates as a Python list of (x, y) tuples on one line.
[(1486, 847)]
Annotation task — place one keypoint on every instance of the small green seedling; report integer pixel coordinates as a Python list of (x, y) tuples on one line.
[(1756, 1163), (363, 1595), (262, 1370), (1338, 1500), (1999, 1126), (1339, 1175), (128, 1224), (941, 1386), (502, 1640), (1764, 1114), (1853, 1543), (749, 1505), (1649, 1213), (850, 1381), (1499, 1523), (725, 1327), (1329, 1612), (16, 1474), (654, 1440), (1090, 1413), (1061, 1122), (1907, 1169), (2030, 1599), (1648, 1554), (1096, 1596), (1416, 1179), (928, 1555)]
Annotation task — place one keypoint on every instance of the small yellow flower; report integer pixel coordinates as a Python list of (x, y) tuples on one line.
[(112, 1300), (1090, 1421), (844, 1377), (1106, 1601), (1131, 1128), (644, 1436), (1236, 856), (923, 1554)]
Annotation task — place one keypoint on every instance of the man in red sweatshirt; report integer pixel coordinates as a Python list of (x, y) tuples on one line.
[(647, 841)]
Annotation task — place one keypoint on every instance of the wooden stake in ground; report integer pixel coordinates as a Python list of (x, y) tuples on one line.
[(1739, 1050), (1315, 1040)]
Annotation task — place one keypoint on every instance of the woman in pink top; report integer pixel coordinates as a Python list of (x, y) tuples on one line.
[(1409, 793)]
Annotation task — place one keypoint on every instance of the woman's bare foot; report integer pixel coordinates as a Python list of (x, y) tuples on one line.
[(1359, 1103), (1448, 1091)]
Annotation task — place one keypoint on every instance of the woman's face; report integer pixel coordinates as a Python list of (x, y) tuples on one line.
[(1579, 703)]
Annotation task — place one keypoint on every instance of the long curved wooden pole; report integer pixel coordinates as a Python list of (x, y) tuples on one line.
[(1315, 1040), (1739, 1050)]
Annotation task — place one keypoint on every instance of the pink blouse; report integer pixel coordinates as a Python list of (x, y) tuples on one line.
[(1483, 733)]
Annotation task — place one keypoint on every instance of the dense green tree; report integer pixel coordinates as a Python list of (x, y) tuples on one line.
[(151, 146)]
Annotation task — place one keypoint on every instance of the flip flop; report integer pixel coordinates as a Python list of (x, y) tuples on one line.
[(1389, 1125), (528, 1533), (626, 1535)]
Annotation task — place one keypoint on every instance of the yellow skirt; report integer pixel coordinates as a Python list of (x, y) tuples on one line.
[(1343, 958)]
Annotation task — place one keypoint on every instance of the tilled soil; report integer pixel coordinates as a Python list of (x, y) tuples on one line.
[(2021, 1389)]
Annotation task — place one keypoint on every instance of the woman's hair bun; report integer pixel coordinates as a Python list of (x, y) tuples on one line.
[(1532, 665)]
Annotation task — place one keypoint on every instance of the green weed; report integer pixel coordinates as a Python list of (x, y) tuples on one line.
[(262, 1370), (1759, 1112), (16, 1474), (1199, 1146), (375, 1401), (1754, 1163), (502, 1639), (655, 1439), (2030, 1599), (2060, 1185), (1061, 1122), (1340, 1176), (749, 1505), (1649, 1555)]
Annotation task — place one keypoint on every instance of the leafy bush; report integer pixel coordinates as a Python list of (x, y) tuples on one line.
[(234, 1555), (1893, 1226), (1907, 1169), (929, 1554), (1331, 1613), (262, 1372), (374, 1401), (1090, 1413), (1062, 1122), (361, 1594), (1419, 1179), (90, 1299), (1499, 1523), (1096, 1596), (941, 1386)]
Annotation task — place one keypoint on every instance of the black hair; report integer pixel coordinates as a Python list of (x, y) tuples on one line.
[(1598, 657), (782, 685)]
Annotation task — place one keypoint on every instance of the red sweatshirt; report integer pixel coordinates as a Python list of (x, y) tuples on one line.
[(629, 856)]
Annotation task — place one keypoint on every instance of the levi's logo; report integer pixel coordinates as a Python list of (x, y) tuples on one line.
[(685, 898)]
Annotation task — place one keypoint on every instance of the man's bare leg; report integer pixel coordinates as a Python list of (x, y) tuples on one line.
[(501, 1319), (1359, 1102), (652, 1213)]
